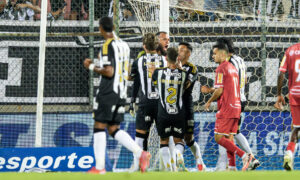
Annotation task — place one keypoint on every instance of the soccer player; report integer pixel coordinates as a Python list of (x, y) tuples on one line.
[(171, 83), (164, 42), (108, 104), (227, 92), (184, 53), (239, 64), (291, 64), (147, 111)]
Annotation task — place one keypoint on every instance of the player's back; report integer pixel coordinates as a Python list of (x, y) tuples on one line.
[(291, 63), (229, 104), (113, 53), (170, 84), (149, 93)]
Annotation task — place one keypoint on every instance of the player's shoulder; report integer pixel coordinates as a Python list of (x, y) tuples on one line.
[(142, 53), (106, 46), (192, 66)]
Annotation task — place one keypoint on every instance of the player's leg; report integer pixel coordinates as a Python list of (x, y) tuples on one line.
[(193, 145), (102, 115), (290, 150), (224, 127), (141, 135), (222, 159), (172, 152), (164, 132), (125, 139)]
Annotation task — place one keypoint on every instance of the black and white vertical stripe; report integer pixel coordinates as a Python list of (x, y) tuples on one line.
[(144, 61), (239, 64)]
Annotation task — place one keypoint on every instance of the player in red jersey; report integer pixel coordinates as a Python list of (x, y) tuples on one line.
[(291, 64), (227, 93)]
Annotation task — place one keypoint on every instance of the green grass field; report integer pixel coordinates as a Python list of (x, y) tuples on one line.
[(254, 175)]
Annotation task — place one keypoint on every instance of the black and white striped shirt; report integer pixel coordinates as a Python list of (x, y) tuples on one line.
[(142, 77), (170, 84), (239, 64), (115, 53)]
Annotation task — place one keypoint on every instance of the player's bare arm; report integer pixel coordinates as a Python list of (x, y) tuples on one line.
[(280, 99), (207, 90), (107, 71), (217, 93)]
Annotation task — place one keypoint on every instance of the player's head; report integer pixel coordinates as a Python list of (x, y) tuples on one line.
[(184, 51), (106, 25), (172, 55), (228, 42), (164, 39), (220, 52), (150, 42)]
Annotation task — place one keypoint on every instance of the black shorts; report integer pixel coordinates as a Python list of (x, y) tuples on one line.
[(111, 114), (145, 116), (170, 125)]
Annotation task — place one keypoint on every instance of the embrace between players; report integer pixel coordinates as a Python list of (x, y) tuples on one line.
[(165, 80)]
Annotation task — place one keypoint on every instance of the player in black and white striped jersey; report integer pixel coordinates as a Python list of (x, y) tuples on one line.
[(147, 108), (239, 64), (108, 105), (171, 82)]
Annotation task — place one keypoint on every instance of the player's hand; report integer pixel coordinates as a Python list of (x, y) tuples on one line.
[(131, 109), (205, 89), (206, 106), (279, 103), (178, 63), (187, 84), (87, 63), (151, 68)]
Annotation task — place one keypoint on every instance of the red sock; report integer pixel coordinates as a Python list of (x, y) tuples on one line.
[(231, 147), (231, 159), (291, 147)]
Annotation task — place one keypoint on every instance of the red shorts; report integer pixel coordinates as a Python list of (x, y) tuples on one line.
[(226, 126), (295, 111)]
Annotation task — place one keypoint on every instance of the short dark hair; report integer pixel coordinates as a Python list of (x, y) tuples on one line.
[(188, 45), (107, 24), (160, 32), (221, 46), (172, 55), (228, 42), (150, 41)]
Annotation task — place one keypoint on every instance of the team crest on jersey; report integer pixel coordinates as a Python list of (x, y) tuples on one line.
[(292, 52), (220, 78)]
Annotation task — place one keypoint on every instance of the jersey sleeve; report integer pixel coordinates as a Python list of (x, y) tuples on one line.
[(155, 76), (193, 75), (283, 64), (219, 79), (107, 54), (134, 69)]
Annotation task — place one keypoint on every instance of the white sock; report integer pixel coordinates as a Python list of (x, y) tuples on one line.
[(197, 153), (124, 138), (99, 149), (242, 141), (222, 161), (180, 148), (166, 157), (172, 152), (139, 141)]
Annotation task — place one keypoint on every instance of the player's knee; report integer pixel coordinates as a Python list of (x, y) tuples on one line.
[(141, 131), (112, 130), (178, 140), (164, 140), (218, 137), (99, 125)]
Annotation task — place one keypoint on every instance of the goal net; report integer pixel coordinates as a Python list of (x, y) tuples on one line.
[(261, 32)]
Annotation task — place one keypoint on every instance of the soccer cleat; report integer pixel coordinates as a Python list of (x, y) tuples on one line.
[(247, 161), (144, 161), (254, 164), (288, 162), (96, 171), (201, 167)]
